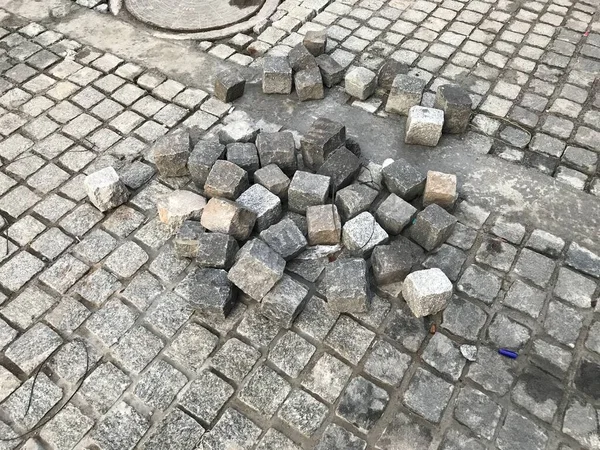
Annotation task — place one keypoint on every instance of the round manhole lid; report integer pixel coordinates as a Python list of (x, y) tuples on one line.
[(192, 15)]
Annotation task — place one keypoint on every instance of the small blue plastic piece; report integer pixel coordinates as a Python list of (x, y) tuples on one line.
[(508, 353)]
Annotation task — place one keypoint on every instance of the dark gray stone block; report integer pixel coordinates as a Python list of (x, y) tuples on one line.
[(186, 239), (362, 404), (226, 180), (273, 178), (394, 214), (171, 153), (307, 189), (323, 137), (346, 285), (284, 302), (456, 104), (208, 290), (278, 149), (285, 238), (331, 71), (391, 263), (309, 84), (277, 75), (315, 41), (216, 250), (342, 166), (300, 58), (354, 199), (202, 158), (389, 71), (432, 227), (229, 85), (403, 179), (243, 155)]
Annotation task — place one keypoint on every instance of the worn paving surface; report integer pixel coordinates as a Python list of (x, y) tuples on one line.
[(98, 351)]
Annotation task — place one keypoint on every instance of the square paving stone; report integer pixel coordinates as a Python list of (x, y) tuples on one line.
[(525, 298), (406, 329), (535, 267), (386, 363), (563, 323), (496, 253), (284, 301), (168, 313), (167, 265), (67, 427), (154, 234), (98, 286), (505, 332), (551, 358), (28, 306), (463, 318), (259, 330), (142, 289), (209, 291), (176, 431), (479, 284), (582, 259), (327, 378), (234, 359), (111, 322), (52, 243), (81, 220), (29, 403), (444, 355), (574, 288), (103, 386), (95, 246), (462, 237), (233, 430), (291, 354), (74, 360), (303, 412), (580, 422), (405, 432), (9, 383), (19, 270), (457, 440), (316, 319), (68, 315), (350, 339), (477, 411), (538, 393), (206, 396), (33, 347), (448, 259), (362, 404), (493, 373), (137, 348), (519, 432), (428, 395), (126, 260), (121, 429), (264, 391), (275, 440), (192, 346)]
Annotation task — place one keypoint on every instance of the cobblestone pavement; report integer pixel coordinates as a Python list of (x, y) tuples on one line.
[(98, 350)]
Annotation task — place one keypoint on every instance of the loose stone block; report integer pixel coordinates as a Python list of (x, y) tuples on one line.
[(171, 153), (226, 180), (309, 84), (229, 85), (273, 178), (433, 226), (324, 225), (403, 179), (361, 234), (342, 166), (307, 189), (216, 250), (244, 155), (391, 263), (346, 285), (394, 214), (331, 71), (105, 189), (265, 204), (323, 137), (405, 92), (202, 158), (178, 206), (186, 239), (360, 83), (238, 131), (440, 188), (456, 104), (224, 216), (257, 269), (300, 59), (283, 303), (278, 149), (427, 291), (388, 73), (285, 238), (354, 199), (277, 76), (315, 41), (208, 290), (424, 126)]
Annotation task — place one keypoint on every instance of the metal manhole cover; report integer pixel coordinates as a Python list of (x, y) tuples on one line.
[(192, 15)]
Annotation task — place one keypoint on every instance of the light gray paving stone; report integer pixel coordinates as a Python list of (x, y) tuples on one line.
[(137, 349), (235, 359), (480, 284), (67, 427), (33, 347), (428, 395), (27, 307), (177, 430), (209, 291), (302, 412), (563, 323), (192, 346), (519, 431), (205, 396), (444, 355), (350, 339), (316, 319), (111, 322), (142, 289), (264, 391), (275, 440), (575, 289), (103, 386), (232, 430), (525, 298), (386, 363), (67, 315), (122, 428), (535, 267), (478, 412)]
